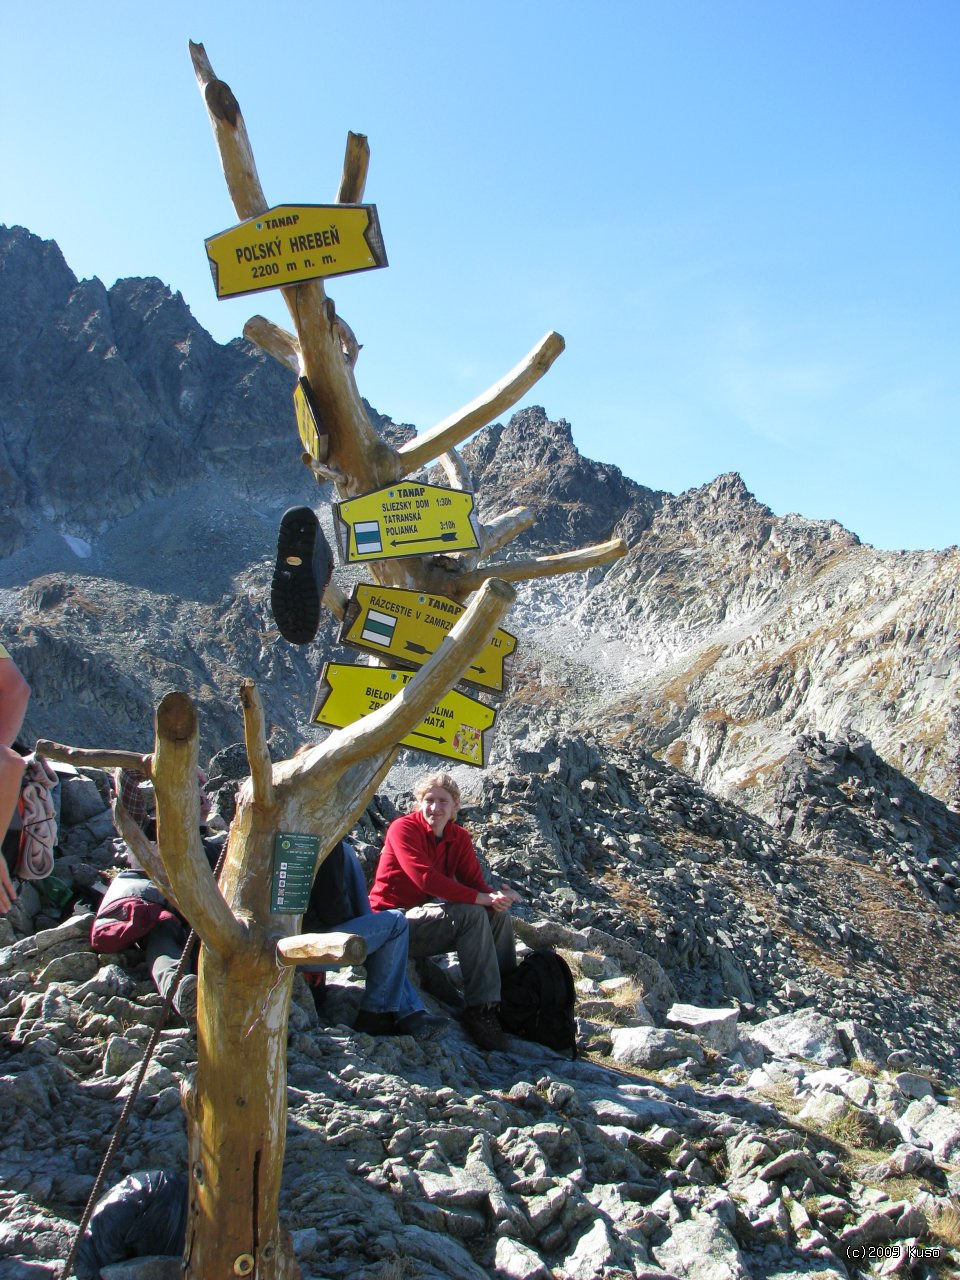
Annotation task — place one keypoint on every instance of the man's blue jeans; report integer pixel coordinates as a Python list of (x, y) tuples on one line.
[(388, 989)]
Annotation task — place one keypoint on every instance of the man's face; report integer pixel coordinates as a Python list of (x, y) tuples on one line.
[(439, 808)]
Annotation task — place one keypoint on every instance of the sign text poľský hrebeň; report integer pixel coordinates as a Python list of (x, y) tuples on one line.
[(292, 243)]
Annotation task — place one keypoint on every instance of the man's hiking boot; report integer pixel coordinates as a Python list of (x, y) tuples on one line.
[(419, 1024), (185, 999), (302, 571), (481, 1021), (374, 1024)]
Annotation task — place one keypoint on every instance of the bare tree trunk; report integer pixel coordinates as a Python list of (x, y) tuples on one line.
[(237, 1105)]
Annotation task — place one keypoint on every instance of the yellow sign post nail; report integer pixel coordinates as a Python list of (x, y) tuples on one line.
[(405, 519), (291, 243), (410, 625), (457, 727)]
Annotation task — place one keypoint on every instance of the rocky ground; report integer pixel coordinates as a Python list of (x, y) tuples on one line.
[(767, 1085)]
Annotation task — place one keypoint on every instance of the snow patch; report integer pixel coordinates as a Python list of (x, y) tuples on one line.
[(79, 548)]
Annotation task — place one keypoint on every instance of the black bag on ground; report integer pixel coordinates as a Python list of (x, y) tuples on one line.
[(537, 1001), (143, 1215)]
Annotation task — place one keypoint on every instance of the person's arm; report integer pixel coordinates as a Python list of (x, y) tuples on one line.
[(354, 883), (501, 899), (468, 871), (8, 894), (130, 795)]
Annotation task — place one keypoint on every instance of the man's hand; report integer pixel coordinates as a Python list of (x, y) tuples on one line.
[(501, 900)]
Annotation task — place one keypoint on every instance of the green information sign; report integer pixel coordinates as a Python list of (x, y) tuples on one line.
[(294, 857)]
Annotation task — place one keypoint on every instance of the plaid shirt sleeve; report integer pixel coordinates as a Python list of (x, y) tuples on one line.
[(131, 797)]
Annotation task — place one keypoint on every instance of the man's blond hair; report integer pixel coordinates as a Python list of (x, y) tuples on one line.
[(437, 780)]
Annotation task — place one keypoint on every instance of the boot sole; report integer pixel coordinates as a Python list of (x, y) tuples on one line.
[(302, 571)]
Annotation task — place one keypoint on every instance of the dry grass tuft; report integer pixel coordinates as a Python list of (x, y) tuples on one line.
[(944, 1226), (780, 1095), (850, 1130), (860, 1067)]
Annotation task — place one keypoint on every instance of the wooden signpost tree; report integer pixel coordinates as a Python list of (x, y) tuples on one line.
[(236, 1107)]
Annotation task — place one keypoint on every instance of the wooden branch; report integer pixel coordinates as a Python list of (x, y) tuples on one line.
[(84, 758), (356, 450), (144, 850), (322, 948), (349, 345), (335, 599), (456, 471), (504, 529), (356, 162), (323, 473), (230, 132), (276, 342), (178, 826), (451, 431), (546, 566), (382, 729), (255, 740)]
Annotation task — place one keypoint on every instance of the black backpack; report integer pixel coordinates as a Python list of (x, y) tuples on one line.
[(537, 1001)]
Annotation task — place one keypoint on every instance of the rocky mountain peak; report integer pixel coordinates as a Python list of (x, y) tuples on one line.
[(533, 462)]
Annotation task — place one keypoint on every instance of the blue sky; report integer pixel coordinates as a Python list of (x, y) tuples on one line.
[(743, 217)]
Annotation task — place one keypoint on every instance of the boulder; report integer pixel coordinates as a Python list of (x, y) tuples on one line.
[(717, 1028)]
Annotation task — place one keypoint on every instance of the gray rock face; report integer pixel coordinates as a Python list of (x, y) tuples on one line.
[(145, 404)]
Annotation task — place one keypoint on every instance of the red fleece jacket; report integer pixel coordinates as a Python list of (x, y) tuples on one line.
[(416, 867)]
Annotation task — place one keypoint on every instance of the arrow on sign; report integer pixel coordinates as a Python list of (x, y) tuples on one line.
[(408, 542)]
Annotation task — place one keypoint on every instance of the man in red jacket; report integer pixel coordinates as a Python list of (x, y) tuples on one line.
[(429, 870)]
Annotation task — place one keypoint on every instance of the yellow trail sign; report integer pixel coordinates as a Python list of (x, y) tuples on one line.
[(312, 432), (410, 625), (405, 519), (457, 727), (291, 243)]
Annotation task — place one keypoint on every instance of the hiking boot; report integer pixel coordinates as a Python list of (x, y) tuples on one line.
[(302, 571), (374, 1024), (185, 999), (481, 1021), (419, 1024)]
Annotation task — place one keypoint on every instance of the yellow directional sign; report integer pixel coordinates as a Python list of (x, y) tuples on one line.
[(457, 727), (295, 242), (312, 432), (410, 625), (405, 519)]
